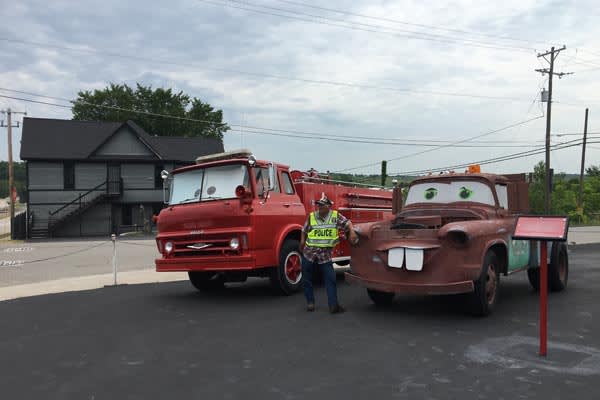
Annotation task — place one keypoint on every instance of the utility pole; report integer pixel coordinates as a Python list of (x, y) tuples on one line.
[(553, 53), (383, 172), (11, 186), (580, 202)]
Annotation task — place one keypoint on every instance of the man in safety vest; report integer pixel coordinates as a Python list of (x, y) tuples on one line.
[(319, 237)]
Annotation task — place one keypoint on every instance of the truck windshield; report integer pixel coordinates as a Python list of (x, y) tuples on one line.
[(207, 184), (450, 192)]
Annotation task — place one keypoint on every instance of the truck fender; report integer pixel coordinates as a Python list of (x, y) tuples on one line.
[(500, 247), (283, 234)]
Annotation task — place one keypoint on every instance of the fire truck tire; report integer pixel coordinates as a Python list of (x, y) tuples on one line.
[(381, 299), (558, 270), (484, 298), (286, 278), (204, 281)]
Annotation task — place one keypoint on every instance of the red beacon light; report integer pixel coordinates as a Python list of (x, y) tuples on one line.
[(240, 191)]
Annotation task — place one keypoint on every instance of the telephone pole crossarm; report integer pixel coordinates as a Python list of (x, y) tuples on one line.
[(552, 51)]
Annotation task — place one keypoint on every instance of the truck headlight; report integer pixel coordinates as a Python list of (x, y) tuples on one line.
[(234, 243), (168, 247), (458, 238)]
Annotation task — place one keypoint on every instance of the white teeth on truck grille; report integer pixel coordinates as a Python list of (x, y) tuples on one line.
[(413, 257), (396, 257)]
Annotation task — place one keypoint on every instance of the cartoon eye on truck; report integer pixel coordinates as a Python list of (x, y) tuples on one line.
[(452, 235), (230, 217)]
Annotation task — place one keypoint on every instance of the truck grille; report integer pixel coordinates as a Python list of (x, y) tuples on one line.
[(204, 248)]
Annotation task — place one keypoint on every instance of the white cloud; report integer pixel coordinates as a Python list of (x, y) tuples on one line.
[(197, 38)]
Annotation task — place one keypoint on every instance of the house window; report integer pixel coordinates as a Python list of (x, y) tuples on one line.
[(69, 175), (158, 181), (127, 215)]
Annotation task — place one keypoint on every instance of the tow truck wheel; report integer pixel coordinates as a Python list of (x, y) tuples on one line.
[(381, 299), (558, 270), (286, 278), (204, 280), (484, 298)]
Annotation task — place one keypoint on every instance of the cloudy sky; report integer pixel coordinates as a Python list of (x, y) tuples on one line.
[(331, 85)]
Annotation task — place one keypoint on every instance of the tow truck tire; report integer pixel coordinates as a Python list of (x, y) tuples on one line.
[(558, 270), (533, 274), (204, 280), (483, 300), (286, 278), (381, 299)]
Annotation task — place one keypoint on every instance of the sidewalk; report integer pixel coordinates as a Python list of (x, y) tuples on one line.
[(88, 283), (584, 235)]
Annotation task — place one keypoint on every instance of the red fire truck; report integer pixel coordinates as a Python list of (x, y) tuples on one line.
[(231, 216)]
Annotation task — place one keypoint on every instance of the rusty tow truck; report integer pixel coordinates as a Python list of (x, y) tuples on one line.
[(452, 235)]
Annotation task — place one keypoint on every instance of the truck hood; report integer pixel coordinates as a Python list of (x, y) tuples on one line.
[(200, 216)]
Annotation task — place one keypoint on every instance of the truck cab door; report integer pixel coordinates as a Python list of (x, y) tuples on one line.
[(274, 209)]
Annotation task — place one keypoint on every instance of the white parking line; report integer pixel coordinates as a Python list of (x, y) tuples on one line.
[(11, 263), (18, 249)]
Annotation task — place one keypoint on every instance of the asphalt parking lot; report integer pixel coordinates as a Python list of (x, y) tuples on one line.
[(157, 341)]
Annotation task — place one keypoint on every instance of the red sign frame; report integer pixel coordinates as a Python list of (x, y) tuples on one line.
[(541, 227), (544, 228)]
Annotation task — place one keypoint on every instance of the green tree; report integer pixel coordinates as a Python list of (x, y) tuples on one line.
[(536, 189), (143, 101), (19, 175), (593, 170)]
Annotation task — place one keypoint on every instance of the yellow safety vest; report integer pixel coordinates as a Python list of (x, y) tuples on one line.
[(323, 234)]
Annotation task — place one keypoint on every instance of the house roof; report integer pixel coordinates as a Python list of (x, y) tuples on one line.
[(52, 139)]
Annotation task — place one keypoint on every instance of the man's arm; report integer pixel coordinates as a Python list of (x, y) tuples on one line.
[(352, 236), (346, 224), (302, 240), (305, 229)]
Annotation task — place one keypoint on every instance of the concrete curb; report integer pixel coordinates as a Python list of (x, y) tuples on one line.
[(88, 283)]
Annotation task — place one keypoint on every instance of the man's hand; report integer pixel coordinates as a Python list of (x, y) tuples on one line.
[(353, 238)]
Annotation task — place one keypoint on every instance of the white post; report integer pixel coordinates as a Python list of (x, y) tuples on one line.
[(114, 240)]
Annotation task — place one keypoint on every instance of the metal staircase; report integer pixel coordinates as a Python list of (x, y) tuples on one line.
[(41, 228)]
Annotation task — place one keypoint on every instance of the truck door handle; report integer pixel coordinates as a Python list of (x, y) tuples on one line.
[(286, 204)]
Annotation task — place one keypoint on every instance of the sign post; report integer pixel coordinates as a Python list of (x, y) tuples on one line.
[(543, 228)]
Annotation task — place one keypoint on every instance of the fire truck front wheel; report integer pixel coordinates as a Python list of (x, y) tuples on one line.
[(286, 278), (203, 280)]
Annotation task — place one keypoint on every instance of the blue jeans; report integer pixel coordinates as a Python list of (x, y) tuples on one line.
[(308, 267)]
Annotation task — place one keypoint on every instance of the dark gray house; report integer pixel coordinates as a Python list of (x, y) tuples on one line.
[(88, 178)]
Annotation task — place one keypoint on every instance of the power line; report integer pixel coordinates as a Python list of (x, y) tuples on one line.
[(387, 143), (503, 158), (261, 75), (444, 146), (247, 128), (370, 28), (395, 21), (574, 134), (277, 132)]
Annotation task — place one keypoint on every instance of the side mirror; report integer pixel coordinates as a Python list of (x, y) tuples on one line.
[(272, 177), (167, 179)]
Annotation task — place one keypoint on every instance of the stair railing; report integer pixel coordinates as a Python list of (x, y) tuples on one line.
[(80, 201)]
